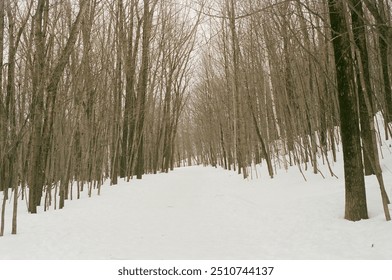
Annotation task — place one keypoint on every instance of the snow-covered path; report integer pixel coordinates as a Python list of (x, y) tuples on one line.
[(206, 213)]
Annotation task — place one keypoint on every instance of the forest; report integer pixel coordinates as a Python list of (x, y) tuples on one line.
[(96, 90)]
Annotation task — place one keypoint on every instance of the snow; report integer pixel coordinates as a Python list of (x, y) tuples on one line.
[(209, 213)]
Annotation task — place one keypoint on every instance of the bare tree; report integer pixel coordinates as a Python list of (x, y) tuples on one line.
[(356, 207)]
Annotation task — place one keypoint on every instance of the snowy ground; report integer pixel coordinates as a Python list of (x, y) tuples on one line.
[(209, 213)]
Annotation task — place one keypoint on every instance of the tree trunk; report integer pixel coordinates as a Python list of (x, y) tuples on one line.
[(231, 7), (142, 87), (130, 48), (355, 205), (2, 122), (36, 179), (2, 113), (364, 93)]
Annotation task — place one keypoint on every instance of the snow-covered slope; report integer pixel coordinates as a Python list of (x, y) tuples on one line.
[(209, 213)]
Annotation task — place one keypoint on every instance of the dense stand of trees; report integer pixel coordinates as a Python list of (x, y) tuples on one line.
[(279, 78), (89, 90), (93, 90)]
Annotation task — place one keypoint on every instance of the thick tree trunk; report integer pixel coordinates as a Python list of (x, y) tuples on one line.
[(355, 206)]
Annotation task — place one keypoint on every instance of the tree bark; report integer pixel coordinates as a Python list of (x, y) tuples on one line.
[(355, 205)]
